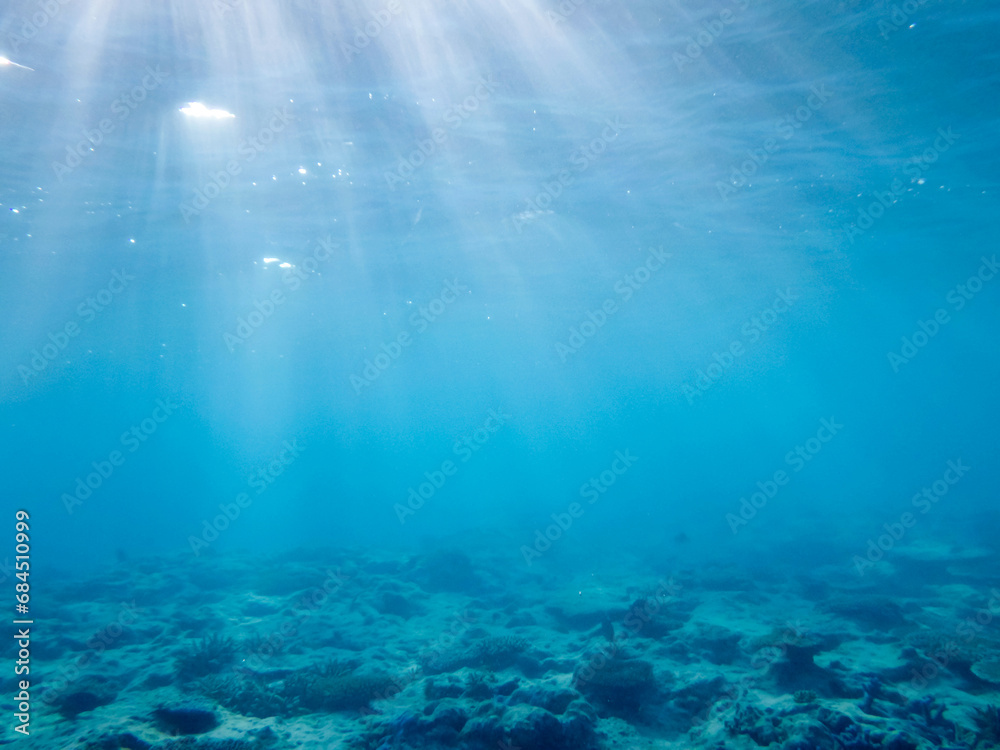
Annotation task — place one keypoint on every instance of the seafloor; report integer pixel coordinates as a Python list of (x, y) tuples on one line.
[(455, 648)]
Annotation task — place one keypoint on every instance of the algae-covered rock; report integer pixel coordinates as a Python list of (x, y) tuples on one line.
[(313, 691), (248, 696), (185, 719), (492, 653), (86, 694), (620, 685), (988, 669), (208, 656)]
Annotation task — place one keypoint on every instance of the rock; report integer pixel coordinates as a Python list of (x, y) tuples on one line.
[(507, 688), (521, 619), (620, 685), (555, 701), (988, 670), (448, 714), (391, 603), (447, 570), (185, 720), (88, 693), (716, 644), (651, 618), (447, 686), (753, 723), (580, 612), (871, 611), (695, 696), (529, 726)]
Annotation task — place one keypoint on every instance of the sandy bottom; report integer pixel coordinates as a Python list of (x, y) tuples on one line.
[(456, 649)]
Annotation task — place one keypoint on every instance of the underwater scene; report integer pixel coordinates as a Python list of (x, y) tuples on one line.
[(500, 374)]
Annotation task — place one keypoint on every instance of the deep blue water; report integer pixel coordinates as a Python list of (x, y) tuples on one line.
[(686, 232)]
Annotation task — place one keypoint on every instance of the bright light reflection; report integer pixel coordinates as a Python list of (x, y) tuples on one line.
[(197, 109), (7, 61)]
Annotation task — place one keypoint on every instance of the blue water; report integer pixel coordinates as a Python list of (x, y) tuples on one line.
[(701, 179)]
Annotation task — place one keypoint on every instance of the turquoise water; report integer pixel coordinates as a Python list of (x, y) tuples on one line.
[(685, 281), (719, 152), (712, 146)]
